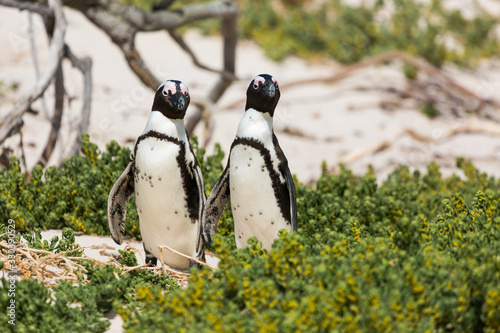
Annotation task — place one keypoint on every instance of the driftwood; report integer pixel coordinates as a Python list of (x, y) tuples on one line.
[(13, 122), (121, 22), (469, 128), (85, 66), (450, 87), (50, 268)]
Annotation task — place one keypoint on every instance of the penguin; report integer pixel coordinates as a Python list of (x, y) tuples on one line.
[(256, 178), (166, 179)]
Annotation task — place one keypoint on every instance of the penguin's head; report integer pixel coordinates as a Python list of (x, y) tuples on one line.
[(263, 94), (172, 99)]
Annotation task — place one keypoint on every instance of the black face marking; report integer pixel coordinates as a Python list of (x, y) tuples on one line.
[(171, 99), (263, 94), (188, 172), (280, 189)]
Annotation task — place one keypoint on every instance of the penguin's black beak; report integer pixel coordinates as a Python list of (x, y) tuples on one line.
[(269, 89), (178, 101)]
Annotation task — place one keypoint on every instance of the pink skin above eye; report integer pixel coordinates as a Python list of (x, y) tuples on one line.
[(275, 82), (256, 82), (168, 89), (184, 91)]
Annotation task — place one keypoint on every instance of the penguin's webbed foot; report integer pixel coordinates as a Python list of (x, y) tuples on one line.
[(151, 260), (194, 264)]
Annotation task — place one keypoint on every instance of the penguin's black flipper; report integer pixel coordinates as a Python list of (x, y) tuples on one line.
[(216, 202), (117, 202), (285, 172), (293, 198), (200, 251)]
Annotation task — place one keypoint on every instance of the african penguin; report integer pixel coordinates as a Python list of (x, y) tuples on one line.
[(165, 176), (256, 179)]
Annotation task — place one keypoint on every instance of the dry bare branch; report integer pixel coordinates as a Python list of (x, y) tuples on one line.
[(30, 6), (85, 66), (14, 118), (439, 77), (182, 43), (56, 118), (474, 127), (163, 246)]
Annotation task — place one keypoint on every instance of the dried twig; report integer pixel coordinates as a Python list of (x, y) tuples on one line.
[(85, 66), (163, 246), (179, 40), (51, 267), (469, 128), (451, 86), (14, 118)]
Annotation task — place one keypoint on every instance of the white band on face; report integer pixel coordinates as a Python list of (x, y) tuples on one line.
[(258, 78), (184, 89), (168, 87)]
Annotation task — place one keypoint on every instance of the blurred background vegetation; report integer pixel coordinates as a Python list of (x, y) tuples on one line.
[(347, 33)]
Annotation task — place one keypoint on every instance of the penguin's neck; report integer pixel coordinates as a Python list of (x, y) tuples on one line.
[(171, 127), (256, 125)]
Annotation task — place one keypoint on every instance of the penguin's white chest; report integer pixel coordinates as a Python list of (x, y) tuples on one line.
[(254, 204), (161, 202)]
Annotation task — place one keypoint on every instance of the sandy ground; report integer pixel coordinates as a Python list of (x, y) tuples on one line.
[(335, 120)]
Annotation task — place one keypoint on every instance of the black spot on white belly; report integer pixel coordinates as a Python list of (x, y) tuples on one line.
[(272, 222), (176, 212), (260, 213)]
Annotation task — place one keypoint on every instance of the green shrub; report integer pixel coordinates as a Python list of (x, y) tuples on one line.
[(74, 195), (80, 307), (418, 253)]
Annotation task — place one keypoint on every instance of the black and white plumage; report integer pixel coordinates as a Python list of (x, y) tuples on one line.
[(165, 176), (256, 179)]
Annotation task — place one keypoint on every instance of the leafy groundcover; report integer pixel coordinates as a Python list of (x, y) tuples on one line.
[(414, 253)]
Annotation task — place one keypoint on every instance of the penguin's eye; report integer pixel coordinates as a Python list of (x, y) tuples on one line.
[(255, 85), (276, 83), (164, 92)]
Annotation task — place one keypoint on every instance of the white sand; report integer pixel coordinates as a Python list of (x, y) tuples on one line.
[(337, 119)]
